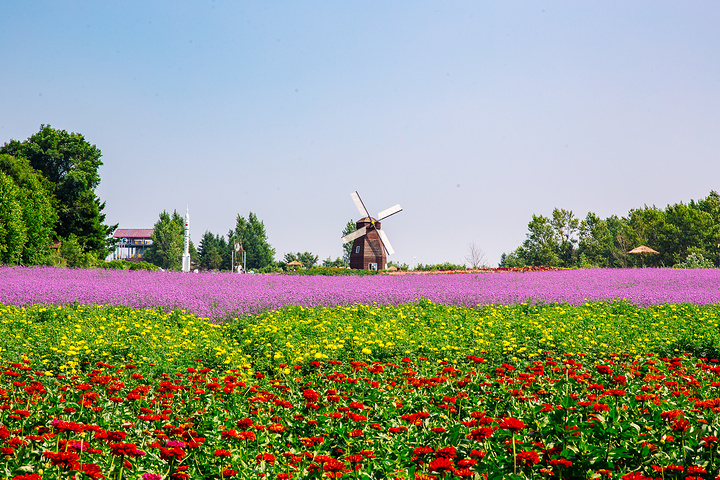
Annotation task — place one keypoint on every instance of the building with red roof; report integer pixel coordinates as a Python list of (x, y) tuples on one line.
[(132, 243)]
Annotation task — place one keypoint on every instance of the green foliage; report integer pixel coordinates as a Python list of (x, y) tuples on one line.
[(70, 164), (307, 259), (115, 265), (13, 233), (695, 260), (339, 262), (212, 248), (674, 232), (331, 271), (127, 265), (350, 227), (403, 267), (252, 235), (38, 214), (168, 242), (443, 267), (74, 255)]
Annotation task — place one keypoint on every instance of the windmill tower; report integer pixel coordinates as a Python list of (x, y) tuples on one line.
[(369, 242)]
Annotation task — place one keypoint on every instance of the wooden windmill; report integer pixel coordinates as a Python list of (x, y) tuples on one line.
[(369, 242)]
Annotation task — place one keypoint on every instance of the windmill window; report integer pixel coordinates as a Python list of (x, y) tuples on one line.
[(357, 249)]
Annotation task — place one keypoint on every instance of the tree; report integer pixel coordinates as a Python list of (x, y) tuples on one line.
[(168, 244), (251, 233), (210, 253), (512, 259), (565, 227), (540, 248), (306, 258), (595, 241), (475, 256), (70, 164), (38, 213), (347, 247), (13, 233), (337, 263)]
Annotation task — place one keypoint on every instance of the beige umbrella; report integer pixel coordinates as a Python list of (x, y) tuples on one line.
[(642, 250), (294, 263)]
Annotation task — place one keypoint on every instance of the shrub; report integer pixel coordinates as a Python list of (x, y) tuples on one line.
[(695, 260), (442, 267)]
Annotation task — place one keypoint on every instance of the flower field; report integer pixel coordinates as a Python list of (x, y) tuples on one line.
[(219, 296), (338, 385)]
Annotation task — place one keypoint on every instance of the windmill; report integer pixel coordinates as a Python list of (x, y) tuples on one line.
[(369, 242)]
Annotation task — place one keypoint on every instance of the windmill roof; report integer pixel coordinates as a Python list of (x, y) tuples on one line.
[(133, 233)]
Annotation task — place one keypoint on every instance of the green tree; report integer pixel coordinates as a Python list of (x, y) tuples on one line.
[(209, 253), (595, 241), (38, 213), (251, 233), (13, 233), (686, 229), (306, 258), (347, 247), (74, 255), (71, 164), (565, 228), (168, 244), (540, 248), (512, 259), (337, 263)]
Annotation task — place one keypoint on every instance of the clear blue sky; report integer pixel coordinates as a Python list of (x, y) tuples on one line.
[(472, 115)]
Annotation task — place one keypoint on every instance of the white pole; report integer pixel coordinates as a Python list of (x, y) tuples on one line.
[(186, 254)]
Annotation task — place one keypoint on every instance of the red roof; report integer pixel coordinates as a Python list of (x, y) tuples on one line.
[(133, 233)]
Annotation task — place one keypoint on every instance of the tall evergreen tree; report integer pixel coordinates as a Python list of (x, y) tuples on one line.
[(251, 232)]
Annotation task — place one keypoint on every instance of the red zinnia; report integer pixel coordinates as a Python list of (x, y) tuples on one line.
[(527, 459), (512, 424), (441, 464)]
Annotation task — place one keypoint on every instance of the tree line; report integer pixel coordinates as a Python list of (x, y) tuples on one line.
[(218, 252), (684, 235)]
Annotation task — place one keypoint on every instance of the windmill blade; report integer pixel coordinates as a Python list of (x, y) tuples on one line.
[(356, 234), (359, 204), (385, 242), (390, 211)]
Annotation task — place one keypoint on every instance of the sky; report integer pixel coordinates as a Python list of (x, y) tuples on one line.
[(472, 115)]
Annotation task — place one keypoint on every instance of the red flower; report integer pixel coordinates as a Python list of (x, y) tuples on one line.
[(229, 472), (62, 459), (481, 433), (310, 395), (124, 449), (561, 462), (91, 470), (334, 468), (441, 464), (446, 452), (527, 459), (512, 424), (680, 425), (244, 423), (265, 457)]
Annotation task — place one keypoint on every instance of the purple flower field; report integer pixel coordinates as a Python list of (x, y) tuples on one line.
[(219, 295)]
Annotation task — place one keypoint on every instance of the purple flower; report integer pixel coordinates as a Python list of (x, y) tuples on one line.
[(151, 476), (219, 296)]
